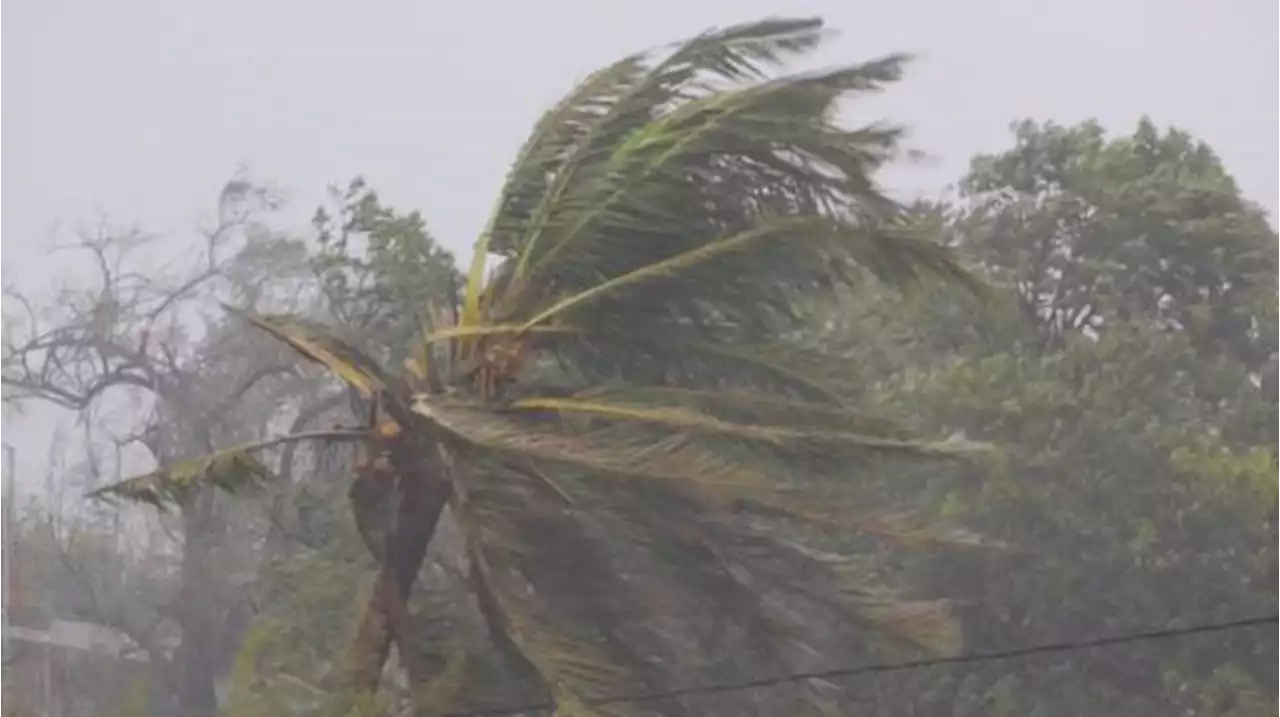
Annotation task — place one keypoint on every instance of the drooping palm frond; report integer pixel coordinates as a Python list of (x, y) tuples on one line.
[(233, 470), (230, 470), (352, 366)]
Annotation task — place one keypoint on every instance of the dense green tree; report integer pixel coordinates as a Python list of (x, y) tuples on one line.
[(380, 271), (1129, 374), (1148, 227)]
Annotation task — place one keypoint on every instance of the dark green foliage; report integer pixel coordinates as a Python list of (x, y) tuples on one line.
[(1147, 228), (1130, 378), (380, 271)]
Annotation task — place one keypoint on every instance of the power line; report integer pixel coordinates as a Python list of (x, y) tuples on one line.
[(1013, 653)]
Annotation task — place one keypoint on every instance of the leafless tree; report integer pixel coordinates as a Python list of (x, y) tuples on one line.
[(156, 345)]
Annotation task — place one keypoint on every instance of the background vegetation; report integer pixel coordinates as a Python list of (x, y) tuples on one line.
[(1101, 307)]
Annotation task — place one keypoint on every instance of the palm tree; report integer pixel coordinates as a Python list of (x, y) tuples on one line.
[(619, 416)]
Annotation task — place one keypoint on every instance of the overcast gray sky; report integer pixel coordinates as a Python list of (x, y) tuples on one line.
[(142, 109)]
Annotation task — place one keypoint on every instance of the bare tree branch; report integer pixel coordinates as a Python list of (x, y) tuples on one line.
[(133, 329)]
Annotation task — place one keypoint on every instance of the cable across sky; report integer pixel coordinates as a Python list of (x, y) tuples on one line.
[(976, 657)]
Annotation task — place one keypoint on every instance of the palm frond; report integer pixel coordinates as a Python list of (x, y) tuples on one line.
[(679, 360), (560, 142), (620, 353), (571, 657), (840, 515), (698, 128), (575, 669), (626, 95), (764, 598), (321, 346), (770, 435), (749, 408), (927, 623), (840, 583), (673, 266), (768, 469), (900, 529), (605, 453), (232, 470)]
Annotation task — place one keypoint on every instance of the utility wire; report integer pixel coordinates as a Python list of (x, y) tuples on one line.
[(1009, 654)]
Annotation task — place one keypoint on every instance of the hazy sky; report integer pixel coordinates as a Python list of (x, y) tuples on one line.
[(143, 109)]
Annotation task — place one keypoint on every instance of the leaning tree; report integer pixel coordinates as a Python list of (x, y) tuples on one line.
[(619, 418)]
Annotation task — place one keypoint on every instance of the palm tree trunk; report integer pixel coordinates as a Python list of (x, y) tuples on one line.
[(197, 695), (420, 498)]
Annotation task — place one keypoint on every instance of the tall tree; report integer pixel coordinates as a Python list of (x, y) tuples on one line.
[(1146, 227), (618, 421), (379, 269), (144, 341)]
